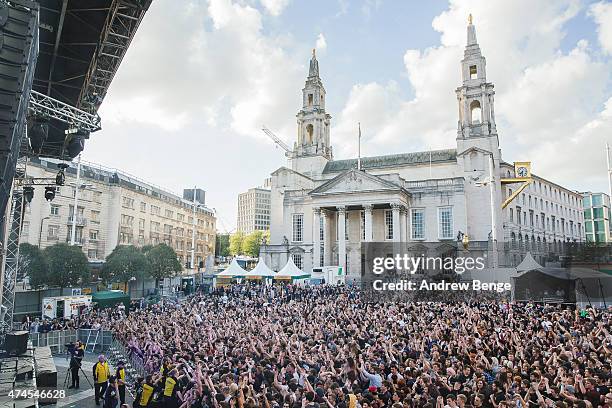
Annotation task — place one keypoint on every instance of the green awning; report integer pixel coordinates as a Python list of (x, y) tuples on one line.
[(110, 298)]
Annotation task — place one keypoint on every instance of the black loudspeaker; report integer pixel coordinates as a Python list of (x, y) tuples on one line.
[(16, 343), (18, 54)]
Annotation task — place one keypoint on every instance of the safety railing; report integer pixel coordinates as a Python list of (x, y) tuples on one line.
[(57, 339)]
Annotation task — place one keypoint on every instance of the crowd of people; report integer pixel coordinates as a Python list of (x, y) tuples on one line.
[(290, 346)]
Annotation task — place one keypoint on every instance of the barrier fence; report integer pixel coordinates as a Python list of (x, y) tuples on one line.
[(94, 340)]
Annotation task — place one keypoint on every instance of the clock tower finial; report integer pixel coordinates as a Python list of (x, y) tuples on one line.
[(470, 19)]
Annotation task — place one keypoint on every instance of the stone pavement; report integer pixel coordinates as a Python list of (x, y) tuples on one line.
[(84, 396)]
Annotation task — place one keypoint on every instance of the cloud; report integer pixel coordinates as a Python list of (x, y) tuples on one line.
[(275, 7), (544, 97), (321, 44), (211, 61), (602, 14)]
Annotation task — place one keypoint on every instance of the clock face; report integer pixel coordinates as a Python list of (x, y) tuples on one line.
[(522, 171)]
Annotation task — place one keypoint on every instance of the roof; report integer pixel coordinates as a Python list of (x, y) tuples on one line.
[(81, 45), (261, 270), (108, 294), (392, 160), (290, 270), (233, 270)]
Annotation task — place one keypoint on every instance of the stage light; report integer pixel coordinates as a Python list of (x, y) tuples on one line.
[(38, 131), (49, 193), (28, 193), (76, 143)]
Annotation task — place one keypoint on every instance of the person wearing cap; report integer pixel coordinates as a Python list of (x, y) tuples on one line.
[(120, 375), (101, 373)]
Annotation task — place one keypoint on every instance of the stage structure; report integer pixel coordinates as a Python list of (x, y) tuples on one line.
[(69, 53)]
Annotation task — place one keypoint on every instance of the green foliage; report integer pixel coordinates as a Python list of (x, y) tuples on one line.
[(34, 265), (252, 242), (124, 263), (67, 265), (163, 261), (236, 242), (222, 245)]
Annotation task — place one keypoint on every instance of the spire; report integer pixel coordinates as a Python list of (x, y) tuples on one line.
[(314, 65), (471, 32)]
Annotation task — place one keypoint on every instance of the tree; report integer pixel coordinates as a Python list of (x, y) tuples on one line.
[(34, 265), (125, 263), (163, 262), (236, 242), (252, 242), (67, 265), (222, 245)]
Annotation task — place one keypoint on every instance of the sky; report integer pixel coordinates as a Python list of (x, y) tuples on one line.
[(201, 77)]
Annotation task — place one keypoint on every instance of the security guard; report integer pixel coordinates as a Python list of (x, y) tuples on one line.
[(75, 363), (170, 389), (120, 375), (144, 393), (101, 372)]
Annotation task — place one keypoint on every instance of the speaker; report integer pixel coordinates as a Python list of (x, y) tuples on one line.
[(16, 343), (18, 55)]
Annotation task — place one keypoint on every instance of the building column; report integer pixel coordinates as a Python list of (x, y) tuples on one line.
[(368, 222), (342, 238), (326, 248), (395, 208), (316, 237), (402, 224)]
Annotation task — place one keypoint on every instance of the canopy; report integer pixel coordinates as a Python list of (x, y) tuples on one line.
[(528, 264), (233, 270), (291, 271), (110, 298), (261, 270)]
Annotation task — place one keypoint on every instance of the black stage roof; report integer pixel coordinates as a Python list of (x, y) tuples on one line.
[(82, 43)]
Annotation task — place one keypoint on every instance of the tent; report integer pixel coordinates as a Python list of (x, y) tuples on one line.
[(109, 298), (232, 271), (565, 284), (291, 271), (261, 270)]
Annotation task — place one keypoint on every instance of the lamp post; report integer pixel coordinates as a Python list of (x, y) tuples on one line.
[(76, 202), (42, 221)]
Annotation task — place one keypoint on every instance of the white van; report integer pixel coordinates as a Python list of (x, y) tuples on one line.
[(331, 275)]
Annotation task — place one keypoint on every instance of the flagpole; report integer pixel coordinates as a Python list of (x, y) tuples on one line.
[(359, 147)]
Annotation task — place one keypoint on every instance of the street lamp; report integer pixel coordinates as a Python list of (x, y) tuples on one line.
[(41, 228)]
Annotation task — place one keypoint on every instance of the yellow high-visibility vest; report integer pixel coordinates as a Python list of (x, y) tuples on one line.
[(169, 387), (147, 393)]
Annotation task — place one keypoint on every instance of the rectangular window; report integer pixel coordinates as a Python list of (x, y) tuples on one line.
[(388, 224), (511, 215), (128, 202), (143, 207), (531, 218), (297, 260), (141, 223), (55, 209), (417, 224), (92, 253), (518, 215), (53, 232), (95, 216), (445, 223), (298, 227), (93, 235), (169, 213)]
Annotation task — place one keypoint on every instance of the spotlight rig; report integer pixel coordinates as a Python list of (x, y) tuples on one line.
[(60, 179), (49, 193)]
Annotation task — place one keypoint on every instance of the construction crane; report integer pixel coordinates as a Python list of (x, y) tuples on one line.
[(278, 141)]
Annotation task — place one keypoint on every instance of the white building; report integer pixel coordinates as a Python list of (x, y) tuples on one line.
[(113, 209), (323, 209), (254, 210)]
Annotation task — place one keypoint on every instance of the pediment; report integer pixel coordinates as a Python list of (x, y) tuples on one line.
[(354, 181)]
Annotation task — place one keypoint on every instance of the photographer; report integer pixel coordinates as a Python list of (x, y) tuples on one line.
[(76, 357)]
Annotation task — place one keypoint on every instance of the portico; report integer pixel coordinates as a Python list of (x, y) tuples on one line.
[(352, 208)]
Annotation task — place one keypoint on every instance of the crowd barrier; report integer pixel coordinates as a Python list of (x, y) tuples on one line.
[(94, 340)]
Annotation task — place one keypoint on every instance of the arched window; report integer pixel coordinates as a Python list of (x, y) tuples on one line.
[(310, 99), (475, 112), (309, 133)]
